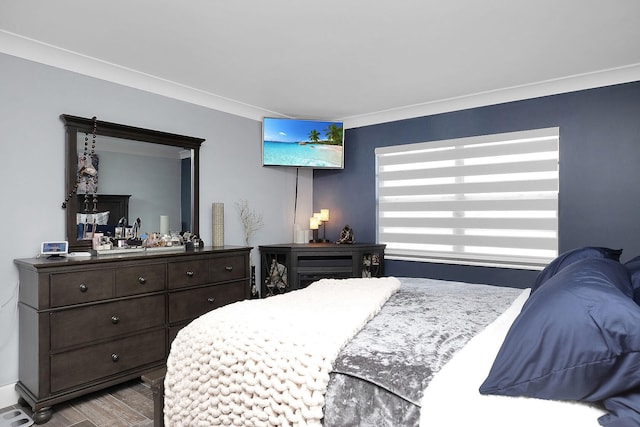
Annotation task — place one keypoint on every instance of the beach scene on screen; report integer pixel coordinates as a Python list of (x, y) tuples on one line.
[(290, 142)]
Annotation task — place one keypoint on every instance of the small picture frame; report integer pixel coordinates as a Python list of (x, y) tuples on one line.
[(54, 248)]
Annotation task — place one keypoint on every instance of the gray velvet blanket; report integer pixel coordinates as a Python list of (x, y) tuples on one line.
[(379, 377)]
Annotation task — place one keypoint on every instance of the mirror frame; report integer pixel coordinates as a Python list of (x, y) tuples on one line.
[(74, 125)]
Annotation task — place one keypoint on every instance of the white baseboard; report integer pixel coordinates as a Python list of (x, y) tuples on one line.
[(8, 395)]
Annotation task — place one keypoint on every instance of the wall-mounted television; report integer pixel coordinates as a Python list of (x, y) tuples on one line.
[(302, 143)]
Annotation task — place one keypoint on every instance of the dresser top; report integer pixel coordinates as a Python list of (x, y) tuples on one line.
[(45, 262)]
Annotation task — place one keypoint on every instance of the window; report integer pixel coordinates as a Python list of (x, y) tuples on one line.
[(489, 200)]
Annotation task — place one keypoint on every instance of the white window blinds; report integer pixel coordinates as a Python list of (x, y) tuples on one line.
[(487, 200)]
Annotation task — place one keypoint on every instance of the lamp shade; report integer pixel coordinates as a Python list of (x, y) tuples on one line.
[(324, 215), (314, 223)]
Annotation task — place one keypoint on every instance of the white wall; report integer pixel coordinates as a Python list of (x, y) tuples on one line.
[(32, 97)]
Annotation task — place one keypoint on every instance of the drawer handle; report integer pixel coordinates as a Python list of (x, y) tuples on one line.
[(229, 268), (142, 280), (84, 288), (115, 320), (115, 357), (190, 273), (211, 300)]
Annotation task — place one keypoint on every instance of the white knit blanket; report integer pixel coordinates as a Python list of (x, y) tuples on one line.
[(267, 362)]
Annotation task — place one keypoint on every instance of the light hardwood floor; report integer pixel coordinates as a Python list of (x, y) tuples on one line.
[(125, 405)]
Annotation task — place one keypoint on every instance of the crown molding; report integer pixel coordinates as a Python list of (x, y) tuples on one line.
[(602, 78), (33, 50), (36, 51)]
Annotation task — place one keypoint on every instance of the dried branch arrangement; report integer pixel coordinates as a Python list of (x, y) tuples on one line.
[(251, 220)]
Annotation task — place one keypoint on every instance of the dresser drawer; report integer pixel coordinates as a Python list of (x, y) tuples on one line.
[(188, 273), (81, 366), (187, 305), (86, 324), (228, 268), (140, 279), (81, 286)]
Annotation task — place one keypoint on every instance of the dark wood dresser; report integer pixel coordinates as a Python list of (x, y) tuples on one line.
[(89, 323)]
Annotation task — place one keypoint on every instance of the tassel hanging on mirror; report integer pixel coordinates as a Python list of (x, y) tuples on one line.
[(87, 172)]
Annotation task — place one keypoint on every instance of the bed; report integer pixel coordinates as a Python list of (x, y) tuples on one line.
[(410, 351)]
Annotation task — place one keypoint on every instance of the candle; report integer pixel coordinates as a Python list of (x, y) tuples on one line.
[(164, 224)]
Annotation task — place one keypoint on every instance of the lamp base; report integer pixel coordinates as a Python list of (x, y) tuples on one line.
[(324, 232)]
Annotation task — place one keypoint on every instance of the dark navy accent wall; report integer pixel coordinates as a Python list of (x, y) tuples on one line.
[(599, 172)]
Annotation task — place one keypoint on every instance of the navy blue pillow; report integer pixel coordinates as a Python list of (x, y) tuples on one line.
[(576, 338), (633, 266), (623, 410), (569, 257)]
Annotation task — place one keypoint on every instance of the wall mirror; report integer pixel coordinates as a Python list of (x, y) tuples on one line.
[(140, 173)]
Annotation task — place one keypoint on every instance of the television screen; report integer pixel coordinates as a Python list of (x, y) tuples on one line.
[(302, 143)]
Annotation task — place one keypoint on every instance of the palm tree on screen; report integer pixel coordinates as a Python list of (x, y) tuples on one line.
[(333, 132), (314, 136)]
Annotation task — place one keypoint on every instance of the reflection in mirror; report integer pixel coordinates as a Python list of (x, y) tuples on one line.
[(141, 173), (157, 179)]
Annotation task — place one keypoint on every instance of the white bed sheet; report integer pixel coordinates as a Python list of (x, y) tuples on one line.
[(452, 397)]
